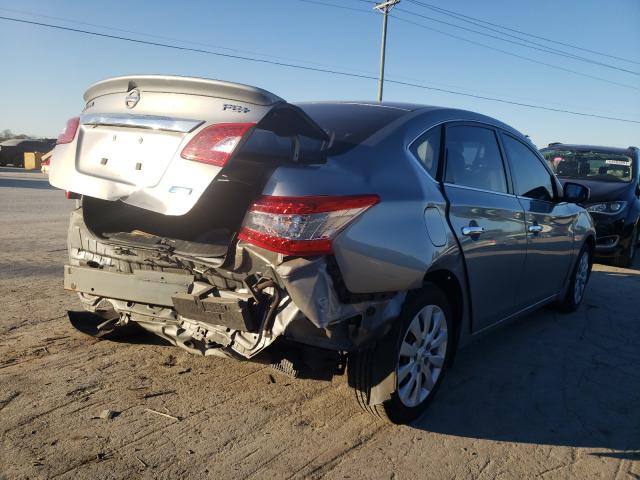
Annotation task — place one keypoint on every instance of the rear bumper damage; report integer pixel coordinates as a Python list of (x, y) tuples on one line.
[(238, 307)]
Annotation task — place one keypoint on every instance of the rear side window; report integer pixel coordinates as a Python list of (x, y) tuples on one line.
[(474, 160), (532, 179), (427, 150)]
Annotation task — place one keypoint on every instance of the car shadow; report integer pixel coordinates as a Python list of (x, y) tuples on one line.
[(87, 323), (549, 378)]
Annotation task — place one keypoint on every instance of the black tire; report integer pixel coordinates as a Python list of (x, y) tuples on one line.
[(373, 372), (570, 303), (625, 259)]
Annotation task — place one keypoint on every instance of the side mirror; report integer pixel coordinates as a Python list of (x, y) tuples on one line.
[(576, 193)]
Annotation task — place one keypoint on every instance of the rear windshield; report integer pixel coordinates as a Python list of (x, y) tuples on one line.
[(350, 123), (602, 166)]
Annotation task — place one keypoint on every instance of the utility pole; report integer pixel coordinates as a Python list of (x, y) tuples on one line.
[(383, 7)]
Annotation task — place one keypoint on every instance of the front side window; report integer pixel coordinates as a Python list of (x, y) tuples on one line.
[(427, 149), (585, 164), (473, 159), (532, 179)]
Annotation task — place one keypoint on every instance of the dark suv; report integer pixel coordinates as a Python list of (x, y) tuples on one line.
[(612, 175)]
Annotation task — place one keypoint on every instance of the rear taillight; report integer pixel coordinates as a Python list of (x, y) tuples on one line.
[(302, 226), (215, 144), (69, 131)]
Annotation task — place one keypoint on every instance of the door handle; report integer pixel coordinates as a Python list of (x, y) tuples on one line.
[(472, 231), (534, 228)]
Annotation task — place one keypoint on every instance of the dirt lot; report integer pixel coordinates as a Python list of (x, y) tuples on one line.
[(549, 396)]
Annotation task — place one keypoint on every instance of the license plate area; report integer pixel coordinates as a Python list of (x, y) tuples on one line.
[(126, 155)]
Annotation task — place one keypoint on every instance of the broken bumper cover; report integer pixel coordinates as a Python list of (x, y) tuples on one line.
[(209, 321), (162, 303)]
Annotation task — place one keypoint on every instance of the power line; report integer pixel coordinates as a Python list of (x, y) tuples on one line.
[(343, 7), (174, 39), (342, 67), (484, 45), (528, 43), (314, 69), (529, 59), (461, 16)]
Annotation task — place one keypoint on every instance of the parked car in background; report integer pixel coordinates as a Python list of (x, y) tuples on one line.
[(12, 151), (380, 235), (613, 176)]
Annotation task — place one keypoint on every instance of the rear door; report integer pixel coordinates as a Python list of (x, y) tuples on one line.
[(487, 219), (549, 224)]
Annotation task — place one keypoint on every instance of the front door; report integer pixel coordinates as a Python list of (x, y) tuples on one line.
[(487, 219), (549, 224)]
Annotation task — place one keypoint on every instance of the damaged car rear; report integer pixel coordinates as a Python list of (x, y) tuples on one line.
[(230, 222)]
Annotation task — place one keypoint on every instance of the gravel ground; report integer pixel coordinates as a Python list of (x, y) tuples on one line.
[(550, 396)]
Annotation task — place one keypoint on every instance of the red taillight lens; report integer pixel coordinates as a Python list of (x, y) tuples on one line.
[(215, 144), (69, 131), (303, 226)]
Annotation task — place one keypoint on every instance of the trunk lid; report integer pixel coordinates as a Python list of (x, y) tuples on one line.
[(133, 129)]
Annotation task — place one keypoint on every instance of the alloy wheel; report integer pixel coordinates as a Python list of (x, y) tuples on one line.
[(422, 355)]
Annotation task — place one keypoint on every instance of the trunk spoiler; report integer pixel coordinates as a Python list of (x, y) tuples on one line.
[(287, 120), (184, 85), (283, 119), (128, 141)]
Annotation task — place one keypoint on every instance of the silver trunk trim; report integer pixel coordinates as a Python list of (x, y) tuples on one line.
[(151, 122)]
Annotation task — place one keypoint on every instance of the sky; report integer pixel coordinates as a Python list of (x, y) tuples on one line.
[(45, 71)]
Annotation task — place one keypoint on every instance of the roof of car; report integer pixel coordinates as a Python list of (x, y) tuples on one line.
[(12, 142), (17, 141), (408, 110), (409, 107), (589, 148)]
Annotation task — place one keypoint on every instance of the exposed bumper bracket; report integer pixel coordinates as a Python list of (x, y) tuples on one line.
[(144, 286), (233, 313)]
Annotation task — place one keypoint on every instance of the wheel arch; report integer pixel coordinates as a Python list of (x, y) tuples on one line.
[(590, 241), (451, 286)]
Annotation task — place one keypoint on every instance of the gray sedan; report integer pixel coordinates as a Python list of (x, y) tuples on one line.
[(380, 236)]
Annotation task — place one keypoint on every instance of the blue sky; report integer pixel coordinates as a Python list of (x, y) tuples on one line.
[(45, 72)]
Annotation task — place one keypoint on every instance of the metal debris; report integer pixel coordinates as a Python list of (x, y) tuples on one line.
[(163, 414)]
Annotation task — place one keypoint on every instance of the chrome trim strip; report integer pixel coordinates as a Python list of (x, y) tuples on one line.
[(463, 187), (444, 122), (150, 122), (493, 125)]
